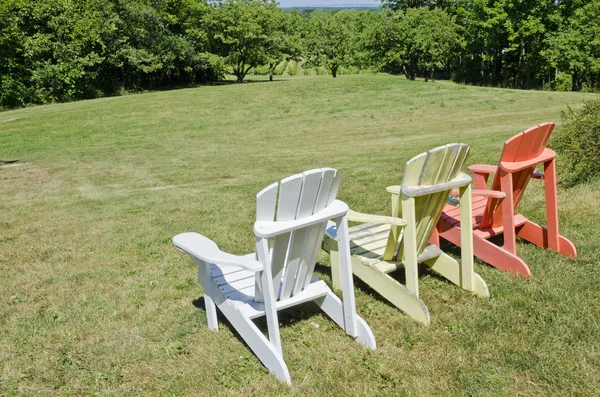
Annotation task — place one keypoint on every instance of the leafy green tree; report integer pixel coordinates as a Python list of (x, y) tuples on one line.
[(575, 48), (246, 33), (419, 40), (332, 39)]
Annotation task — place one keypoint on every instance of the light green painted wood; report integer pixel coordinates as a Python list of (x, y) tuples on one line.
[(385, 245)]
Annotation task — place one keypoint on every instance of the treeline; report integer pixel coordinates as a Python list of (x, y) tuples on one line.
[(62, 50)]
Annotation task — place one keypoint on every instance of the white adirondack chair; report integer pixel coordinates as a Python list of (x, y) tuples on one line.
[(289, 230)]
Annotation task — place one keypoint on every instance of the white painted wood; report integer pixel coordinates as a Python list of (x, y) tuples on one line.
[(292, 217), (211, 310), (270, 229), (262, 251), (346, 276), (266, 200), (206, 250)]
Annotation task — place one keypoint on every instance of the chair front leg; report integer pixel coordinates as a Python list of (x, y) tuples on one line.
[(466, 238), (411, 267), (269, 297), (508, 208), (345, 274), (551, 204), (208, 286)]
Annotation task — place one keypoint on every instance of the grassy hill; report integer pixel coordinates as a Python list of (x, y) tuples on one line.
[(96, 300)]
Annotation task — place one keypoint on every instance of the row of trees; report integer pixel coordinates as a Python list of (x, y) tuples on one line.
[(60, 50)]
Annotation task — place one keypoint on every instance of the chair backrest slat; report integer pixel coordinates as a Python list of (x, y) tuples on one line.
[(293, 254), (524, 146), (437, 166)]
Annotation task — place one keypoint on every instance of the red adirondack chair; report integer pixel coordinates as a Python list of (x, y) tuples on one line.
[(494, 208)]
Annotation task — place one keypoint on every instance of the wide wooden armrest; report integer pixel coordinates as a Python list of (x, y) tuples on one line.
[(365, 218), (199, 247), (415, 190), (483, 169), (513, 166), (481, 193), (266, 229), (394, 189)]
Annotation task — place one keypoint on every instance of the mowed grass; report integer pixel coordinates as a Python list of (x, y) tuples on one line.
[(95, 299)]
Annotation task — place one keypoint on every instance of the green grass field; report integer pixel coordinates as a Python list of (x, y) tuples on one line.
[(95, 299)]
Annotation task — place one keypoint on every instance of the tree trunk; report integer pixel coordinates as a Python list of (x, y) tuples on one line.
[(334, 71), (271, 68)]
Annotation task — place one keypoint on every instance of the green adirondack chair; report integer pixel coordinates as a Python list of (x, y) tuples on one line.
[(385, 244)]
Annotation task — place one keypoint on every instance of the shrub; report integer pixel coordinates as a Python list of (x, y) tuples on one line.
[(578, 143)]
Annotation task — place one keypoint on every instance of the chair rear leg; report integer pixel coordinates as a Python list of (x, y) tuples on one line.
[(333, 307), (207, 285), (538, 235), (490, 253), (393, 291), (450, 269), (265, 351)]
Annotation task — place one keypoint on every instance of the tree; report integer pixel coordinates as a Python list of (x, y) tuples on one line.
[(332, 39), (575, 48), (246, 33), (419, 40)]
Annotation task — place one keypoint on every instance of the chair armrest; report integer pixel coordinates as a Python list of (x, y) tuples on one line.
[(266, 229), (198, 246), (416, 191), (364, 218), (396, 189), (483, 169), (481, 193)]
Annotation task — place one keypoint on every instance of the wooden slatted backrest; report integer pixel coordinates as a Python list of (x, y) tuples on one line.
[(526, 145), (439, 165), (294, 254)]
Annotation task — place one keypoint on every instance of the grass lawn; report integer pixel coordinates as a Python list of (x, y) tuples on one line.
[(95, 299)]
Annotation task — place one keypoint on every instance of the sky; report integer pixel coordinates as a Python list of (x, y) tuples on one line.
[(326, 3)]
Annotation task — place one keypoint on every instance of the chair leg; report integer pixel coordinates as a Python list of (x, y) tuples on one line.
[(488, 252), (538, 235), (333, 307), (451, 270), (393, 291), (508, 209), (330, 246), (208, 285), (553, 241), (266, 352)]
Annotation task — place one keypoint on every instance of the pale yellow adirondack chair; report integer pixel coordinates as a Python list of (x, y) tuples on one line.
[(384, 244)]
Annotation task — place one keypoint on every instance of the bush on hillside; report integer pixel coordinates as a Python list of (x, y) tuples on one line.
[(578, 144)]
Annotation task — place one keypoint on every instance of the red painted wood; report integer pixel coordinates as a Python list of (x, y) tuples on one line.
[(551, 204), (521, 154)]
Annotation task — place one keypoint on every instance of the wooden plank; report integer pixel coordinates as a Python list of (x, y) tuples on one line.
[(266, 201), (287, 207), (289, 195), (231, 277), (306, 205), (237, 285), (313, 243), (335, 185), (222, 270), (325, 189)]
